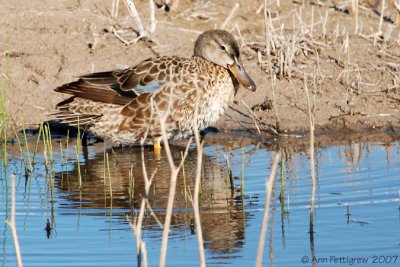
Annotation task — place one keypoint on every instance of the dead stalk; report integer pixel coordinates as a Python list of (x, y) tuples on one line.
[(381, 17), (196, 210), (273, 85), (267, 34), (312, 22), (324, 24), (253, 116), (114, 8), (172, 188), (142, 31), (397, 6), (132, 9), (268, 191), (312, 154), (137, 224), (122, 39), (377, 34), (144, 253), (12, 224), (153, 21), (354, 7)]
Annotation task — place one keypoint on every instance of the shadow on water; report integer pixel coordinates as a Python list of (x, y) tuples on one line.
[(83, 201)]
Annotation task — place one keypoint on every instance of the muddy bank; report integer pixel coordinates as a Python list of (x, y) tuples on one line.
[(348, 64)]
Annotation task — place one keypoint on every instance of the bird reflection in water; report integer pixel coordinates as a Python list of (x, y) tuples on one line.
[(222, 216)]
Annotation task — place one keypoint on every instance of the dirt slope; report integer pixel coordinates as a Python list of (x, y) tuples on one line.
[(350, 69)]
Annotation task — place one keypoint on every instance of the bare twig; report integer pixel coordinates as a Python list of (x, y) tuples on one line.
[(379, 33), (268, 192), (153, 21), (397, 6), (354, 8), (253, 116), (136, 226), (312, 165), (144, 253), (273, 86), (143, 33), (172, 187), (132, 9), (12, 224), (122, 39), (114, 8), (196, 210), (266, 28)]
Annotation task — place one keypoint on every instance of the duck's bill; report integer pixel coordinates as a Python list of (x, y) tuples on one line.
[(241, 75)]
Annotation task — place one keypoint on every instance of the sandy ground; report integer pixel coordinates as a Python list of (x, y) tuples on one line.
[(348, 63)]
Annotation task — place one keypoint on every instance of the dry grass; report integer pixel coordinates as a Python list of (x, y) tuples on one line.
[(268, 190), (136, 225), (311, 108), (143, 32), (196, 194), (295, 41)]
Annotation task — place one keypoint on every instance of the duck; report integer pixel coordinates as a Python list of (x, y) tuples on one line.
[(128, 107)]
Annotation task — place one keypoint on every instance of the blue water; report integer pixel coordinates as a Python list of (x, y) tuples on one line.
[(90, 228)]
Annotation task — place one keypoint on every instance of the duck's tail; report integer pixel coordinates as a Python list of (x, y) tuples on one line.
[(91, 95)]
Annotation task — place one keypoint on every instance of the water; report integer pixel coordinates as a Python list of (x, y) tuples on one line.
[(357, 214)]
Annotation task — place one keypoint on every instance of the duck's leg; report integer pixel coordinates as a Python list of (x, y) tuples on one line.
[(157, 147)]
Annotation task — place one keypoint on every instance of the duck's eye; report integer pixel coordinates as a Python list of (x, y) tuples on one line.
[(223, 47)]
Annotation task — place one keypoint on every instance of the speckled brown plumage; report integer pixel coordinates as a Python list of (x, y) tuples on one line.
[(125, 106)]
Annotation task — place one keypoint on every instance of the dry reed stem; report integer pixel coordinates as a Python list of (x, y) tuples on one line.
[(325, 21), (114, 8), (266, 28), (141, 252), (253, 116), (196, 210), (122, 39), (312, 154), (230, 16), (144, 252), (381, 16), (270, 128), (136, 226), (172, 188), (142, 31), (354, 7), (379, 32), (268, 192), (312, 22), (312, 168), (273, 86), (397, 7), (153, 21), (132, 9), (12, 224), (152, 213)]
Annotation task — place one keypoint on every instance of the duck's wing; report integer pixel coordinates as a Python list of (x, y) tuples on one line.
[(122, 86)]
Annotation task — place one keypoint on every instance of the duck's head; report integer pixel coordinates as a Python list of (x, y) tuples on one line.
[(221, 48)]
